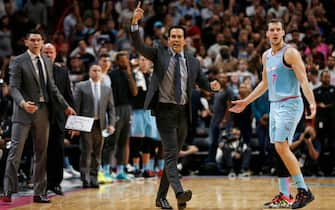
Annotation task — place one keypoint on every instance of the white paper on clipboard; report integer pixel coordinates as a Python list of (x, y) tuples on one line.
[(79, 123)]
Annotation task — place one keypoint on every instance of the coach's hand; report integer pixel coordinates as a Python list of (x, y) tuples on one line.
[(138, 14)]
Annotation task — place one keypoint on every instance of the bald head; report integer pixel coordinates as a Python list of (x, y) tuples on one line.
[(49, 50)]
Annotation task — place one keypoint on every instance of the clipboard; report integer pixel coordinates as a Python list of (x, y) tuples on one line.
[(79, 123)]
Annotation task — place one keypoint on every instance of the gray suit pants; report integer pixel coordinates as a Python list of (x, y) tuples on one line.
[(91, 148), (172, 123), (39, 128)]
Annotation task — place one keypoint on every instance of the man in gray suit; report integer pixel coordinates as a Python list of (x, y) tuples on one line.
[(93, 99), (32, 88), (169, 96)]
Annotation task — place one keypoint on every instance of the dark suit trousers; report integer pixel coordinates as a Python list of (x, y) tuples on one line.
[(55, 160), (116, 145), (172, 123), (91, 149), (40, 132)]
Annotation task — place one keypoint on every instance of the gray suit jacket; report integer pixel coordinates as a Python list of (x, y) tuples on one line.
[(84, 100), (161, 57), (24, 85)]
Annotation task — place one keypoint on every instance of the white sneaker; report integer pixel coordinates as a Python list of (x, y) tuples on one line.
[(66, 175), (74, 173), (130, 168)]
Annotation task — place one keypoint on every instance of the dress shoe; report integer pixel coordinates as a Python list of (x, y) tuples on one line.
[(86, 184), (41, 199), (94, 185), (181, 206), (56, 189), (163, 203), (183, 197), (7, 197)]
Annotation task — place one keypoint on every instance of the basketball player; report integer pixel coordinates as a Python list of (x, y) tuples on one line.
[(283, 74)]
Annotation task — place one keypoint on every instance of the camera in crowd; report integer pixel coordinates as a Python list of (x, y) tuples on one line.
[(230, 138), (307, 135)]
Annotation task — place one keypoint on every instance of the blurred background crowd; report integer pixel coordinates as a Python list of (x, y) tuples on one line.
[(227, 37)]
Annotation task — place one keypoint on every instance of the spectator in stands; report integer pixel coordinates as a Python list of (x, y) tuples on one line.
[(331, 67), (225, 61), (106, 65), (144, 132), (313, 77), (325, 99), (124, 88), (307, 149), (236, 154), (221, 115), (260, 110), (243, 120)]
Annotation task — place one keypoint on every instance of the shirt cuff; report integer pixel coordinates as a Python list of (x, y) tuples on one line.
[(134, 28), (22, 103)]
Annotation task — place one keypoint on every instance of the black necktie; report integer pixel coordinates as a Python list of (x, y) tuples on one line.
[(177, 79), (42, 81)]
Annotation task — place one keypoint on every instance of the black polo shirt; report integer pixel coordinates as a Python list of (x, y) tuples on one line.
[(120, 85)]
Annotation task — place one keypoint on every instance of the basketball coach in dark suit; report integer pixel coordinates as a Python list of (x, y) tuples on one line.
[(169, 96), (55, 155), (32, 88)]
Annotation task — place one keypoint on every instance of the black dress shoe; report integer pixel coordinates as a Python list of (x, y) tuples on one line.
[(183, 197), (41, 199), (181, 206), (94, 185), (86, 184), (56, 189), (163, 203)]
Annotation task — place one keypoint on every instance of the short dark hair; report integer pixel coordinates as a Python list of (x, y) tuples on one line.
[(275, 20), (324, 72), (103, 55), (177, 27), (34, 31), (120, 54)]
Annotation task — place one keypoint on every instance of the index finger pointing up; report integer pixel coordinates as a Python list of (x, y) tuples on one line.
[(139, 4)]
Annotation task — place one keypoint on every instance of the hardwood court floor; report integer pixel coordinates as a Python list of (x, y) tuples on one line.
[(209, 193)]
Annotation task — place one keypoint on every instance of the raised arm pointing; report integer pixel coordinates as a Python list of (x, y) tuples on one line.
[(138, 14)]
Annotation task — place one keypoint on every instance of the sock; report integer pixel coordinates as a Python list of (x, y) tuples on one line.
[(67, 162), (299, 181), (161, 164), (120, 169), (284, 186), (137, 166), (146, 167), (151, 164), (106, 169)]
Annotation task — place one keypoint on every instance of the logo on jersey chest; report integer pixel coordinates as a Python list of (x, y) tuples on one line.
[(271, 68)]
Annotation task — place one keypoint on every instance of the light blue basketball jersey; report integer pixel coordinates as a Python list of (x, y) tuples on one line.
[(282, 82)]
